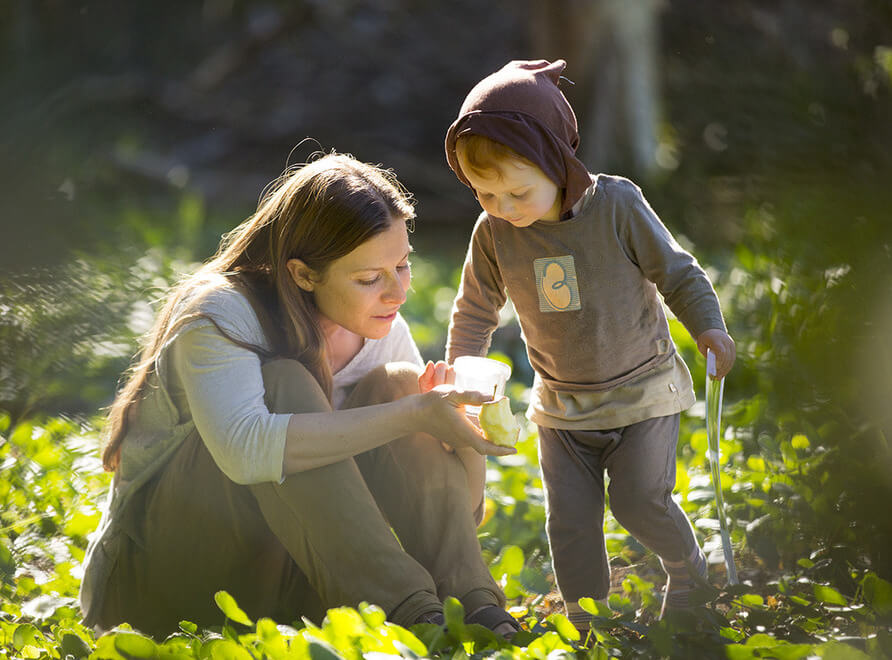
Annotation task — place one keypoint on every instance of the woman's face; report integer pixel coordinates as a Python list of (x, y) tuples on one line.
[(363, 290)]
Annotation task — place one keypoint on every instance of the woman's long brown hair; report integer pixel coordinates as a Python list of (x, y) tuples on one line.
[(317, 212)]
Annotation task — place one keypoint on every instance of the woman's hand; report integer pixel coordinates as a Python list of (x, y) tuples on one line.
[(434, 374), (442, 414), (720, 343), (439, 373)]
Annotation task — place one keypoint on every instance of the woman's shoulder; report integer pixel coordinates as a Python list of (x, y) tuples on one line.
[(216, 299)]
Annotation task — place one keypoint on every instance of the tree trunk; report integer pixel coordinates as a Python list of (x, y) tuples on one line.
[(611, 51)]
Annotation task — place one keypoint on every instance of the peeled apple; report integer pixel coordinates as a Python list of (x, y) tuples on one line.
[(498, 424)]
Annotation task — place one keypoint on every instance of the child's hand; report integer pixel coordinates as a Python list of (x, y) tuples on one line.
[(720, 343), (435, 374)]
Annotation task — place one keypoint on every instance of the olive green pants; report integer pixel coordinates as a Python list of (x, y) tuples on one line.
[(392, 526)]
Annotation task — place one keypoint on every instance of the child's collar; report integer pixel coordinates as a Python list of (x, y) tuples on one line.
[(580, 203)]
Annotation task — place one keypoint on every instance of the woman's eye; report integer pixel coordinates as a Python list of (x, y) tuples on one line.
[(404, 267), (369, 282), (519, 195)]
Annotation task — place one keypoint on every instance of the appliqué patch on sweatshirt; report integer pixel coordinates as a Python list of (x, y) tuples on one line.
[(556, 284)]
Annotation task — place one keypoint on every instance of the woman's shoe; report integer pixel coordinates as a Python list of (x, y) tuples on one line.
[(434, 617), (496, 619)]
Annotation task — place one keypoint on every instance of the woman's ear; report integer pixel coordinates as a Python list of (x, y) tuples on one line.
[(302, 274)]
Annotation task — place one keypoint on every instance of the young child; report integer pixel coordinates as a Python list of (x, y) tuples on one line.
[(583, 257)]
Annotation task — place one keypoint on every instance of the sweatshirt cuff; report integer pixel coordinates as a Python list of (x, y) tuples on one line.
[(278, 436), (453, 352), (697, 325)]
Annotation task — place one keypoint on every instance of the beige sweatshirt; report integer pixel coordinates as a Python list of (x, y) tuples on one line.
[(586, 295)]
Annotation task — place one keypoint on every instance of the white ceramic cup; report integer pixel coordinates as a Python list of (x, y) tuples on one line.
[(481, 375)]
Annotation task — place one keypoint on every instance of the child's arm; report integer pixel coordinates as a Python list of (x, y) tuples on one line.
[(481, 294), (684, 285)]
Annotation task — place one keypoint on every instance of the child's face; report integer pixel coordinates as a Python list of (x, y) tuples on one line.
[(517, 192)]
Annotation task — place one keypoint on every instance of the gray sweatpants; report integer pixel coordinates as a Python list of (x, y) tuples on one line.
[(392, 526), (640, 461)]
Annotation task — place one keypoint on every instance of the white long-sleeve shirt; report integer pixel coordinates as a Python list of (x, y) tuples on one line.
[(219, 385)]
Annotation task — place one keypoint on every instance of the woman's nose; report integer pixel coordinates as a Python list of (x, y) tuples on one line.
[(396, 292)]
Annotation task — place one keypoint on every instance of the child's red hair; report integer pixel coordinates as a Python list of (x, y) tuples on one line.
[(483, 155)]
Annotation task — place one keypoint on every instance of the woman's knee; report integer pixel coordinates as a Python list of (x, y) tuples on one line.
[(399, 378), (292, 388), (386, 382)]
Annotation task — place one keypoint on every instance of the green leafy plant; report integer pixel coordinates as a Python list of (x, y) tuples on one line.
[(812, 578)]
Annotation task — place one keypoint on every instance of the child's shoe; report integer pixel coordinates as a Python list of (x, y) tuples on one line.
[(581, 619), (683, 578)]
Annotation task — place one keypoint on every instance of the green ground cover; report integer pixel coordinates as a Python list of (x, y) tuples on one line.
[(809, 538), (775, 162)]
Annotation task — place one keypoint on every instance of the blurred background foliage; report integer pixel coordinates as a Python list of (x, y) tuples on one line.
[(135, 134)]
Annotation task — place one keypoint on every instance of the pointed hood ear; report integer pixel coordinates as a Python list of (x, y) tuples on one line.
[(522, 107)]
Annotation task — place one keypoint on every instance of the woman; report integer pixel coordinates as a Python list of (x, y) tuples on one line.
[(279, 439)]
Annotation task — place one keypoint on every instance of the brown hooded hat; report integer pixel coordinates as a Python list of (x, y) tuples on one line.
[(521, 107)]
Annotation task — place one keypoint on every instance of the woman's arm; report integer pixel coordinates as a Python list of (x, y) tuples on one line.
[(223, 387), (440, 373), (317, 439)]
